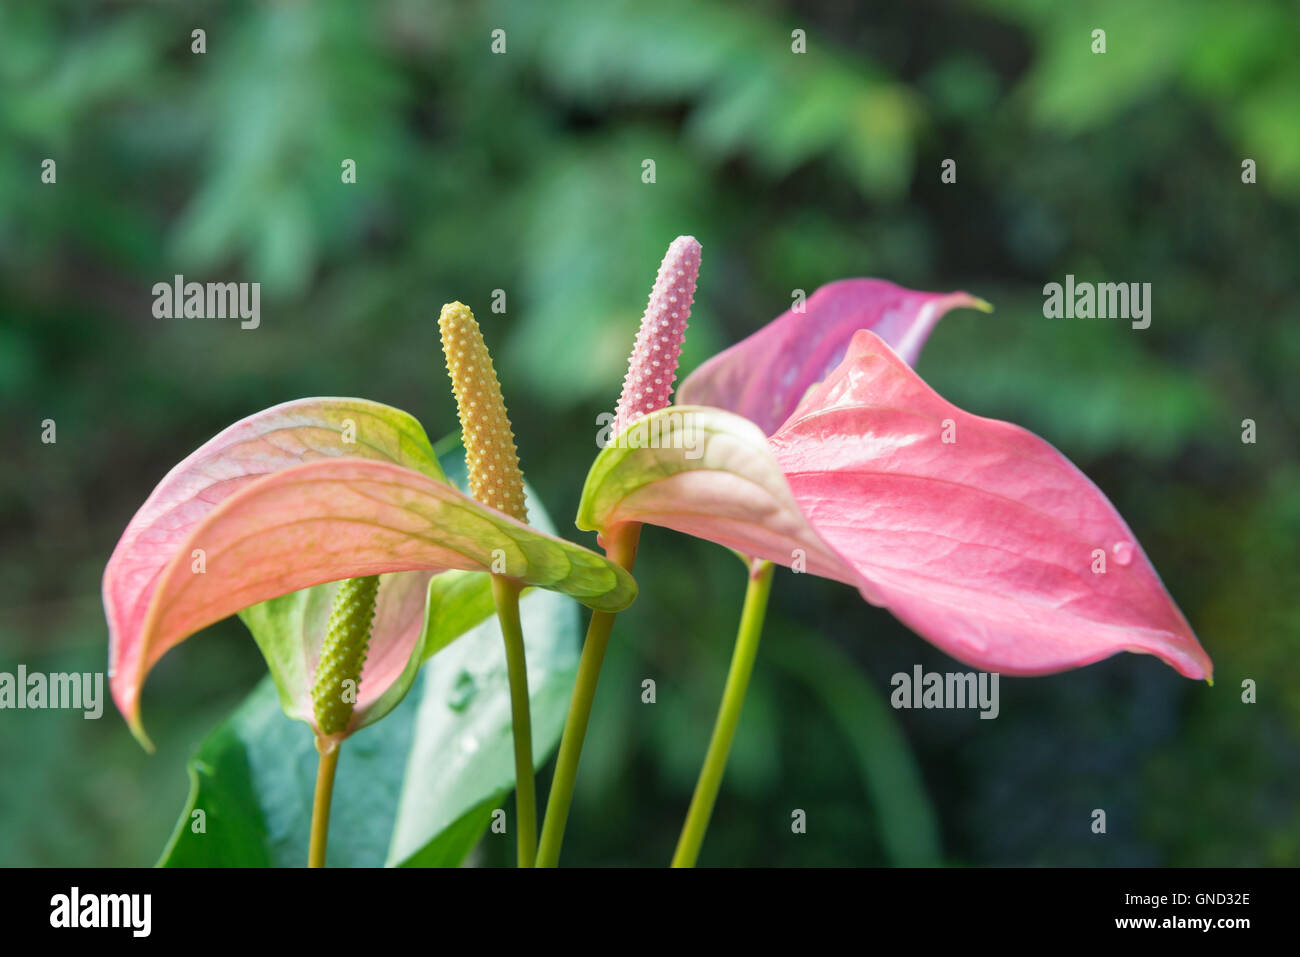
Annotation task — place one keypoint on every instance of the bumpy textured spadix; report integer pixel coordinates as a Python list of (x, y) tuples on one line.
[(343, 654), (652, 369), (494, 475)]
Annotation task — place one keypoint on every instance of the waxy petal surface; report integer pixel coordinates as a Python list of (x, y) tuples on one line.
[(330, 519), (764, 376), (976, 533), (984, 544), (710, 474)]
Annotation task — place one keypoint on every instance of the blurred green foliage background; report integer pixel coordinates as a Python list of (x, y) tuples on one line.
[(522, 172)]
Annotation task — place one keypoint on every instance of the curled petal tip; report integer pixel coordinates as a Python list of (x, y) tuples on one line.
[(137, 730)]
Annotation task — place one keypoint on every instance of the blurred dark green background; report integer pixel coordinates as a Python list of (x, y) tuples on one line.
[(522, 172)]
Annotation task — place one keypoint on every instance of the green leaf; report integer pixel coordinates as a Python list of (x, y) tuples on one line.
[(457, 602), (462, 753)]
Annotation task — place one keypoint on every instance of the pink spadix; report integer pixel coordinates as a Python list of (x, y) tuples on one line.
[(652, 368)]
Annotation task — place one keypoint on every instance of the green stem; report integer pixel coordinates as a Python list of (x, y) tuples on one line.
[(506, 594), (621, 548), (724, 730), (320, 809)]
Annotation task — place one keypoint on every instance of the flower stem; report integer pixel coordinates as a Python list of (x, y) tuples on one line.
[(506, 594), (320, 809), (724, 729), (621, 548)]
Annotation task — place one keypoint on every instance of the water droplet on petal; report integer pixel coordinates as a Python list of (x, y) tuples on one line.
[(1123, 552), (462, 692), (469, 745)]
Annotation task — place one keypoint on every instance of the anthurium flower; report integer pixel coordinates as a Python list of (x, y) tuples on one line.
[(283, 503), (647, 387), (977, 534)]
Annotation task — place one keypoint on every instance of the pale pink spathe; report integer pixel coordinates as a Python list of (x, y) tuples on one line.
[(302, 494)]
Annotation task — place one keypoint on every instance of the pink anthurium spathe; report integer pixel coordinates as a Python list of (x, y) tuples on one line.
[(764, 376), (977, 534), (300, 495)]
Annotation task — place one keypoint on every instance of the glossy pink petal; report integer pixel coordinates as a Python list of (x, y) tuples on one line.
[(991, 544), (325, 520), (765, 376)]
